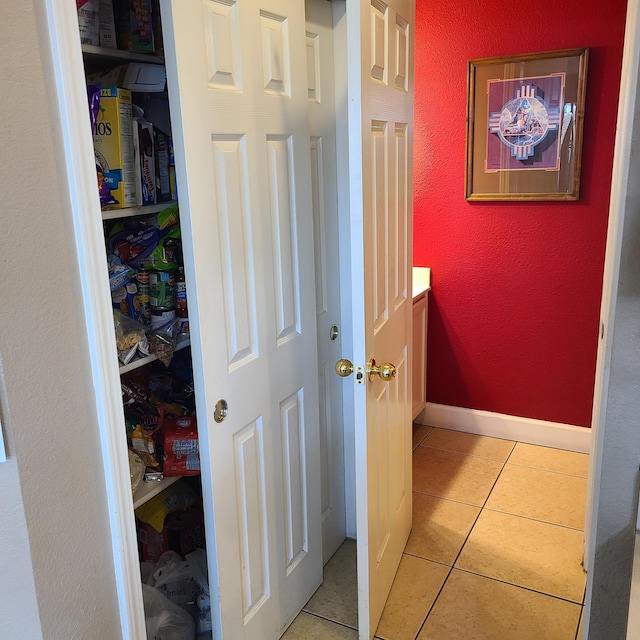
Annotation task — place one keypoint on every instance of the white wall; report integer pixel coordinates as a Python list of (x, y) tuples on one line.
[(56, 562)]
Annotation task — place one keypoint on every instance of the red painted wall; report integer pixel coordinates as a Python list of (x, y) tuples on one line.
[(516, 288)]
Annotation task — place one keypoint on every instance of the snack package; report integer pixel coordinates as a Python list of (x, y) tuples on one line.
[(181, 452), (178, 497), (119, 273), (136, 470), (133, 242), (163, 256), (162, 341), (145, 158)]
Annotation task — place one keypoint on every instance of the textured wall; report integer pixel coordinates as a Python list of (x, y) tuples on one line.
[(52, 493), (516, 287)]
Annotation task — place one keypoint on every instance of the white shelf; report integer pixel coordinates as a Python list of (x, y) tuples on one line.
[(141, 362), (131, 212), (118, 56), (148, 490)]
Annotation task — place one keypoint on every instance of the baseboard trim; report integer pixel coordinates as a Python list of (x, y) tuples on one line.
[(499, 425)]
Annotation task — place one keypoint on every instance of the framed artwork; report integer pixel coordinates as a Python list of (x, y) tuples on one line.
[(524, 126)]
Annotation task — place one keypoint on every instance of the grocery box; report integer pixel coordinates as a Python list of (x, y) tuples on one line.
[(134, 25), (88, 21), (114, 152), (145, 161), (107, 25)]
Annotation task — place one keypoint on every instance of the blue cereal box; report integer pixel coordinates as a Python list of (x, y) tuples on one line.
[(114, 151)]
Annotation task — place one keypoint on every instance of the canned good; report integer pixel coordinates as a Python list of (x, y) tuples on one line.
[(142, 279), (162, 315), (162, 288)]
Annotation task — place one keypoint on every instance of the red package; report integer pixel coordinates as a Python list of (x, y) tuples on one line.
[(181, 451)]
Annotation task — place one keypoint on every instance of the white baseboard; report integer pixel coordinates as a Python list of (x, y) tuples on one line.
[(499, 425)]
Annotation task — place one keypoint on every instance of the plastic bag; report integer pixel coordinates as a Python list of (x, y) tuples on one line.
[(162, 341), (164, 619), (198, 565), (130, 337), (172, 575)]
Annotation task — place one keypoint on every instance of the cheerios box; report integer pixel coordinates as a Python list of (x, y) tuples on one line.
[(114, 150)]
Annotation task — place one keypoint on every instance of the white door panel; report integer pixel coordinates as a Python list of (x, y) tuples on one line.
[(382, 88), (239, 98), (322, 122)]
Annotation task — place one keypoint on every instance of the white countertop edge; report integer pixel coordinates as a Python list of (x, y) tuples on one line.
[(421, 281)]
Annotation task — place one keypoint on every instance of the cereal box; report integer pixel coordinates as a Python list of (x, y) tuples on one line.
[(134, 25), (113, 146)]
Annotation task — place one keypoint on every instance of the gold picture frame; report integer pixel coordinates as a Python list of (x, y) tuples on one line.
[(525, 118)]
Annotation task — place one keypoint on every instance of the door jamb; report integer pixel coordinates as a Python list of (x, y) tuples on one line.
[(66, 53), (619, 182)]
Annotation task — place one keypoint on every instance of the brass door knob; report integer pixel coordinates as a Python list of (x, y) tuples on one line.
[(344, 367), (386, 370)]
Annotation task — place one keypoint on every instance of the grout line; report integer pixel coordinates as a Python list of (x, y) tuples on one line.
[(433, 604), (579, 621), (458, 453), (433, 495), (481, 510), (413, 555), (340, 624), (560, 473), (519, 515), (519, 586), (464, 543)]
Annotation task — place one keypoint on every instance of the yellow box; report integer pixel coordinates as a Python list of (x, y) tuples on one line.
[(114, 152)]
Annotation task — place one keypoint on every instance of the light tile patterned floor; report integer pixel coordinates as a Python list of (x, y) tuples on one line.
[(494, 552)]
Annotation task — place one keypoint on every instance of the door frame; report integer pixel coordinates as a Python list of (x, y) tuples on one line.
[(619, 183), (86, 214)]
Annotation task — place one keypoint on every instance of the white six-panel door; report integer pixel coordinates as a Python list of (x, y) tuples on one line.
[(322, 122), (382, 31), (239, 98)]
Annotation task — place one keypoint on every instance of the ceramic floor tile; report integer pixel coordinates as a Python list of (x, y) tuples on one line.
[(469, 444), (530, 455), (337, 597), (309, 627), (527, 553), (414, 590), (472, 607), (558, 498), (440, 528), (419, 433), (453, 475)]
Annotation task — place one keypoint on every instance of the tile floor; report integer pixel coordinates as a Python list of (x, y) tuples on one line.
[(494, 552)]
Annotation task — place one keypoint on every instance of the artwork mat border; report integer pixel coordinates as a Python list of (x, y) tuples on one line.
[(557, 168)]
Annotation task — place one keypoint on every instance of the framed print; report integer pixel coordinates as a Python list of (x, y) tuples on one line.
[(524, 126)]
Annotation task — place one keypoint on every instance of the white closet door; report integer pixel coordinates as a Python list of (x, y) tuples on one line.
[(239, 99), (382, 117), (322, 119)]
